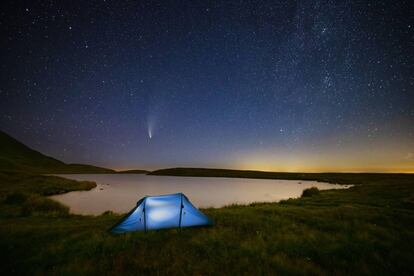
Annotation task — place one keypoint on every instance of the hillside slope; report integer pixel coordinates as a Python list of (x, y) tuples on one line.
[(15, 156)]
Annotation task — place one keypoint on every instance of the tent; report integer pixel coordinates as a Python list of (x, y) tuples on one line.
[(164, 211)]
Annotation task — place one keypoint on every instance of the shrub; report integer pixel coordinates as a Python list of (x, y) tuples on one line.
[(108, 213), (310, 192)]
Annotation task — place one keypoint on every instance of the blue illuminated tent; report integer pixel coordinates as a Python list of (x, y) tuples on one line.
[(164, 211)]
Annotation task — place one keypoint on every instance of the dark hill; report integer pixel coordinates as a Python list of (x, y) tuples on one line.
[(15, 156)]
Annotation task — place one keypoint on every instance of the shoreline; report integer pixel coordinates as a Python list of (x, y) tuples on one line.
[(102, 183)]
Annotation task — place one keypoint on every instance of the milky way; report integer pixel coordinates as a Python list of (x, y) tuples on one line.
[(273, 85)]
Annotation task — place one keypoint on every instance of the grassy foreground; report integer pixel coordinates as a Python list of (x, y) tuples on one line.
[(367, 229)]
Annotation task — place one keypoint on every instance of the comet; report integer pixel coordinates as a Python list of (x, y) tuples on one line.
[(153, 119), (151, 123)]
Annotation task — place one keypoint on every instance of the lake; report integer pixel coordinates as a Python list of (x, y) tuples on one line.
[(120, 192)]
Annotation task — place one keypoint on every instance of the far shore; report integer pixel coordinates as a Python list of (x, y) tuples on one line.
[(331, 177)]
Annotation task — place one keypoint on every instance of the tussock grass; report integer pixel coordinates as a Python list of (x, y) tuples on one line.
[(312, 191)]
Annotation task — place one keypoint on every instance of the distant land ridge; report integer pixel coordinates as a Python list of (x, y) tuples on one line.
[(339, 178)]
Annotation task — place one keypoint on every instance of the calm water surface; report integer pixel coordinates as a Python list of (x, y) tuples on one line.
[(120, 192)]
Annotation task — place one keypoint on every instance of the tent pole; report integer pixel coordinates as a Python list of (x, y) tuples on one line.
[(145, 217), (181, 211)]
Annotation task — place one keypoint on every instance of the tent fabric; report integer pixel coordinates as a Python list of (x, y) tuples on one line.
[(164, 211)]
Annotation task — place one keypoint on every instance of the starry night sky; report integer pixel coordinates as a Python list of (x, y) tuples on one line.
[(269, 85)]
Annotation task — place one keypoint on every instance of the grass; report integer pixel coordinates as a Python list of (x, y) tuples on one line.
[(39, 184), (365, 230)]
